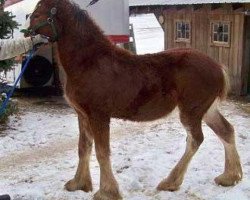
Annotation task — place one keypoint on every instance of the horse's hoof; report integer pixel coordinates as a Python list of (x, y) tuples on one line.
[(228, 179), (73, 185), (107, 195), (166, 185)]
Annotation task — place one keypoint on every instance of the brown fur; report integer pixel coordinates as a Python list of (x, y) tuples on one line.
[(104, 81)]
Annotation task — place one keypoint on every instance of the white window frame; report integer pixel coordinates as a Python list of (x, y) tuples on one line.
[(224, 33), (178, 31)]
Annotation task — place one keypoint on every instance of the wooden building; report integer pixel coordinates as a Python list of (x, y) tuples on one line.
[(221, 29)]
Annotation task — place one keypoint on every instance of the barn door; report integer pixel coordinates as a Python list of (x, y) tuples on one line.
[(247, 51)]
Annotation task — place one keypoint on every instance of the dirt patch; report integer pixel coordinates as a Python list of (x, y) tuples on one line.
[(51, 105), (242, 102)]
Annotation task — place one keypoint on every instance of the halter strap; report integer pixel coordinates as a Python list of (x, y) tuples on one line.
[(48, 22)]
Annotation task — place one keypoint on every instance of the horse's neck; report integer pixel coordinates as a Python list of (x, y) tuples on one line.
[(78, 47)]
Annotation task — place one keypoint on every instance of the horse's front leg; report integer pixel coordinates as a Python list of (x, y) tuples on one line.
[(109, 189), (82, 179)]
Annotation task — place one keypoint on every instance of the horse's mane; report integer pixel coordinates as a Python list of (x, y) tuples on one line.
[(81, 21), (78, 14)]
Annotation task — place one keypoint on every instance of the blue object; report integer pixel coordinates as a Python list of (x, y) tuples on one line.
[(10, 93)]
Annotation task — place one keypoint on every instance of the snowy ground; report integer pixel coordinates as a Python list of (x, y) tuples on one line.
[(38, 152), (149, 35)]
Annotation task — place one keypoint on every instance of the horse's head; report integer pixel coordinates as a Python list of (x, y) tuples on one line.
[(44, 20)]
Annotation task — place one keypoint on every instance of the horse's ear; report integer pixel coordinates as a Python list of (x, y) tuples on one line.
[(85, 12)]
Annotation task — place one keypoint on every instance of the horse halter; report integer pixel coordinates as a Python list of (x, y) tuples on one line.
[(49, 22)]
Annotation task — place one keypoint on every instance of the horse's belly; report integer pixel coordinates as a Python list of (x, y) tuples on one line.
[(150, 113), (152, 110)]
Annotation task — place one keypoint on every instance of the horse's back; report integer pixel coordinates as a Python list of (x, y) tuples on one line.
[(186, 70), (168, 79)]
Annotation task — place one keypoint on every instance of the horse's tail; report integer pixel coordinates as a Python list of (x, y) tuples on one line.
[(226, 84)]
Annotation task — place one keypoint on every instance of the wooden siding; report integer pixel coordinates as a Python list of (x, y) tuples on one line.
[(232, 57)]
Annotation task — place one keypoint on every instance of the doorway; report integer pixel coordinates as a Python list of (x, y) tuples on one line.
[(247, 52)]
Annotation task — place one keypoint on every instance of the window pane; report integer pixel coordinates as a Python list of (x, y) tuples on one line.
[(183, 28), (220, 29), (225, 37), (187, 35), (179, 25), (225, 28), (183, 34), (216, 27), (221, 37), (179, 34), (215, 37)]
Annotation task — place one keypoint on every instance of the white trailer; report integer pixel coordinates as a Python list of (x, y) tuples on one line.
[(111, 15)]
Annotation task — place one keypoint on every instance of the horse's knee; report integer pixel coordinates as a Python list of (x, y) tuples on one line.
[(102, 153), (85, 149), (198, 139), (194, 141)]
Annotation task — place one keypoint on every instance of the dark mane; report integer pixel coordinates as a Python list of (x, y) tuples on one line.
[(81, 21), (79, 14)]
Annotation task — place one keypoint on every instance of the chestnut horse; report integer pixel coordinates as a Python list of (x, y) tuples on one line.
[(104, 81)]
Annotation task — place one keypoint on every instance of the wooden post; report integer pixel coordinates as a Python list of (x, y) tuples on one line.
[(131, 45)]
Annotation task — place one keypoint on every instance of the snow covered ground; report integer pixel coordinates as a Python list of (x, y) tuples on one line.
[(38, 149), (149, 35)]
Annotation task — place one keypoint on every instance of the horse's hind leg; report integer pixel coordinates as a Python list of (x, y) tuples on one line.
[(225, 131), (82, 179), (194, 139)]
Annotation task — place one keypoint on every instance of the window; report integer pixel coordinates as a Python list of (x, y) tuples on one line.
[(220, 33), (182, 31)]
